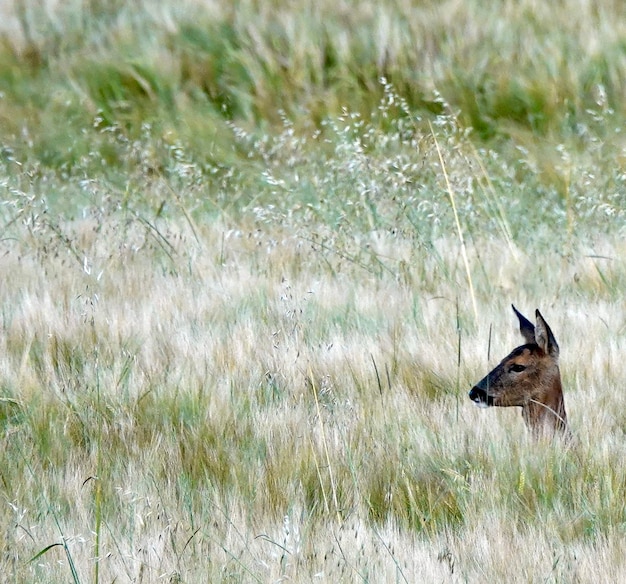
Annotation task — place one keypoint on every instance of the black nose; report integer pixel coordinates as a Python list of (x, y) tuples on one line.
[(478, 395)]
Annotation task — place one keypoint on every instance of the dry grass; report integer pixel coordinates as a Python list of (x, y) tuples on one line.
[(237, 324), (253, 415)]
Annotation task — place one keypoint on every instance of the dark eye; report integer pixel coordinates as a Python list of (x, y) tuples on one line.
[(517, 368)]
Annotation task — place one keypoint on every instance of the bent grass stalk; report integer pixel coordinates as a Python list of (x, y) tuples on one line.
[(326, 453), (62, 543), (458, 225), (98, 477)]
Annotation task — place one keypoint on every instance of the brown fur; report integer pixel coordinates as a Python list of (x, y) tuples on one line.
[(528, 377)]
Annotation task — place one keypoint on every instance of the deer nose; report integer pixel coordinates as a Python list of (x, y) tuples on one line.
[(475, 394), (479, 397)]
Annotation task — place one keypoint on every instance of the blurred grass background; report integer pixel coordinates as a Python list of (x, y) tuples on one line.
[(105, 88)]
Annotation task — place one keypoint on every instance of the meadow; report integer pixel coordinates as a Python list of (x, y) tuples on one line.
[(254, 255)]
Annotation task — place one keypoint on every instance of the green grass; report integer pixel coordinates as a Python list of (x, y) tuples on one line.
[(253, 258)]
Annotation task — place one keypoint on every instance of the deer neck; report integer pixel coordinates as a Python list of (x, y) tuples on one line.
[(546, 414)]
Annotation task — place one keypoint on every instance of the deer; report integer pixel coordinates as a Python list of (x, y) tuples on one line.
[(529, 378)]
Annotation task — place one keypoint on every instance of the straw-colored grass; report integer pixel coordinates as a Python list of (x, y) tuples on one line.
[(222, 421), (253, 259)]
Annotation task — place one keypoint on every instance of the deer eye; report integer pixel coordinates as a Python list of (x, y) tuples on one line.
[(517, 368)]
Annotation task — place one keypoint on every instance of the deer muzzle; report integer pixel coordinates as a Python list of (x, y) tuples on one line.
[(480, 397)]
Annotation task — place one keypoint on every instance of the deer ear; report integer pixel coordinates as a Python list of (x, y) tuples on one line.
[(544, 337), (526, 327)]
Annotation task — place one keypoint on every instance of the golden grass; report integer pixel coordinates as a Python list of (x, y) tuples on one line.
[(252, 415), (246, 285)]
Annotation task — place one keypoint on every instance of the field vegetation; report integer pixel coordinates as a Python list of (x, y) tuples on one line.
[(252, 258)]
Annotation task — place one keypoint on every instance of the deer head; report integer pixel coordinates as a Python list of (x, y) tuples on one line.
[(528, 377)]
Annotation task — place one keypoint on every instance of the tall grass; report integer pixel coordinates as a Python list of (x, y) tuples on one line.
[(523, 70), (237, 327)]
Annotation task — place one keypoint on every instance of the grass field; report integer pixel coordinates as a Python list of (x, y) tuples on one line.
[(251, 261)]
